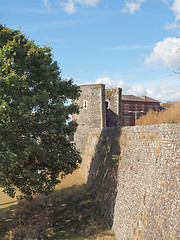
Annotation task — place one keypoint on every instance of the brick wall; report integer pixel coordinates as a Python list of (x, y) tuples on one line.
[(132, 110)]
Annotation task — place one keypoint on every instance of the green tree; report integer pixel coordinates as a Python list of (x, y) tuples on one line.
[(34, 117)]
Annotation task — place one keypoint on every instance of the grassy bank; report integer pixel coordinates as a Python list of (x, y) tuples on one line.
[(70, 213)]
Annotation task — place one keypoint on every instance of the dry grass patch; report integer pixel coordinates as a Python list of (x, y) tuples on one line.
[(70, 213), (5, 200), (7, 205), (74, 179), (171, 115)]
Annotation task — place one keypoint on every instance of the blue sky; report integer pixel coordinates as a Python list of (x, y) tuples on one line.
[(132, 44)]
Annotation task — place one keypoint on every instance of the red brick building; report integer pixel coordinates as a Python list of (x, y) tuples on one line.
[(133, 107)]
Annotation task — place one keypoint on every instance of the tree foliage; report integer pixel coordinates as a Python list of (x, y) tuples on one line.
[(34, 117)]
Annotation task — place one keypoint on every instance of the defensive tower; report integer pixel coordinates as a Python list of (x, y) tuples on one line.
[(99, 108)]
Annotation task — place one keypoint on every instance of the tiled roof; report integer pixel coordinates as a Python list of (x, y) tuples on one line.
[(138, 99), (148, 99), (131, 98)]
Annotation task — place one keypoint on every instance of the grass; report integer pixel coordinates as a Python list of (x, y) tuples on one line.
[(7, 205), (5, 200), (170, 115), (5, 219), (69, 213)]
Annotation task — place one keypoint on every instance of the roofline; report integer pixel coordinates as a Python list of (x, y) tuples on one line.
[(141, 99), (92, 84)]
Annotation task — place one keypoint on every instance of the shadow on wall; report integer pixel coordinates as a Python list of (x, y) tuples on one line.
[(111, 118), (102, 178)]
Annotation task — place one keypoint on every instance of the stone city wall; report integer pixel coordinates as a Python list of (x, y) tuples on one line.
[(134, 171)]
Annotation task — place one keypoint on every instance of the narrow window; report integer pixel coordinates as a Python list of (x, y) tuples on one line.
[(85, 104), (107, 105), (126, 108)]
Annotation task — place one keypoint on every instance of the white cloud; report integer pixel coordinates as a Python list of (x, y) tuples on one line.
[(70, 5), (166, 52), (91, 3), (161, 92), (165, 92), (173, 25), (176, 9), (47, 4), (127, 88), (132, 6)]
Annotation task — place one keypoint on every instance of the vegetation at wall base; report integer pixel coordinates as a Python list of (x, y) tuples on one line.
[(34, 117), (71, 214), (169, 115)]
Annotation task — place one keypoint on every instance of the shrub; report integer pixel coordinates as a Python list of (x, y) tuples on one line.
[(31, 220)]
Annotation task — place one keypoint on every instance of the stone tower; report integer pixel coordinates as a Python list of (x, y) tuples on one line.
[(99, 108), (113, 107)]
